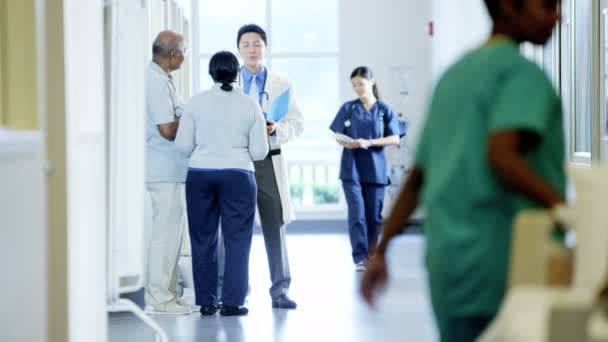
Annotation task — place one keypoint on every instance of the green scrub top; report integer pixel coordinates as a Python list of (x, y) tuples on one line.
[(469, 211)]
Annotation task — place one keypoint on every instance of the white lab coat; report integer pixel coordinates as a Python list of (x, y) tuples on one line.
[(288, 128)]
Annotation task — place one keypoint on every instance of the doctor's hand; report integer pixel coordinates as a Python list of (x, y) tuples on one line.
[(373, 279), (270, 127)]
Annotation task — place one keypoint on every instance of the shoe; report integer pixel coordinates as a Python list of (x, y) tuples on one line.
[(283, 302), (208, 310), (169, 307), (193, 307), (361, 266), (234, 311)]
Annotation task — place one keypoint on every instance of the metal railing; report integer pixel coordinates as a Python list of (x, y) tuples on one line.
[(314, 182)]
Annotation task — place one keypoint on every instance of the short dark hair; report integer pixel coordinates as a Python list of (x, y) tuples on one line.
[(493, 7), (224, 69), (249, 28)]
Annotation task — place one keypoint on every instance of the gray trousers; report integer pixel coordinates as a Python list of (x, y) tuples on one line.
[(273, 229)]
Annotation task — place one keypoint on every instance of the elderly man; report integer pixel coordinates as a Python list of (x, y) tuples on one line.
[(165, 175)]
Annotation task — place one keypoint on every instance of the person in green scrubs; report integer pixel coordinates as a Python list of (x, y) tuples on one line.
[(492, 145)]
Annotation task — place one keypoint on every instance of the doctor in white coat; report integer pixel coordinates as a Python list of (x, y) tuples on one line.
[(274, 202)]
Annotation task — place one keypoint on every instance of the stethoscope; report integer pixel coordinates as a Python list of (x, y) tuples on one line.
[(348, 123), (264, 93)]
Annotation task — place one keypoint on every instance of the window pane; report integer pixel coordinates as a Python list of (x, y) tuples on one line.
[(221, 20), (314, 158), (548, 60), (566, 63), (205, 81), (582, 122), (315, 84), (605, 44), (304, 26)]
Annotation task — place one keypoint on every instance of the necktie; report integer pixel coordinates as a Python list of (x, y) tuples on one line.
[(254, 91)]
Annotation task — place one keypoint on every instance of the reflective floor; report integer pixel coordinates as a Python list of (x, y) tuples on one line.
[(325, 287)]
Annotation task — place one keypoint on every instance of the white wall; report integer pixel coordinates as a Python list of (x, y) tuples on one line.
[(36, 255), (459, 26), (86, 170), (23, 248), (384, 34)]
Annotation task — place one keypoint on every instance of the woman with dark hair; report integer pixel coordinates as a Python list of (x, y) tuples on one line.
[(364, 127), (225, 131)]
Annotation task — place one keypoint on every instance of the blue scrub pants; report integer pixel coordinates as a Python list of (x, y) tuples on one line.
[(229, 196), (364, 202)]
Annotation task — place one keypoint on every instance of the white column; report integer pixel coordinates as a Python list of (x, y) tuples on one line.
[(86, 169)]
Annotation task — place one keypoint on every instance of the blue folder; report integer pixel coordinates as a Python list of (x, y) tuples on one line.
[(279, 107)]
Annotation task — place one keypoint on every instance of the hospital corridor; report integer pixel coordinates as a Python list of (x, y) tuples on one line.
[(304, 170), (330, 309)]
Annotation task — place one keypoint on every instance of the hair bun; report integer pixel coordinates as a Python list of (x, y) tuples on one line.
[(224, 69)]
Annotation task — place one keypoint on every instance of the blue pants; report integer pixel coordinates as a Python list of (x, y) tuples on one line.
[(229, 196), (364, 202)]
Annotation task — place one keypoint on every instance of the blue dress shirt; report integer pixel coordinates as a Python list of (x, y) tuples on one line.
[(260, 80)]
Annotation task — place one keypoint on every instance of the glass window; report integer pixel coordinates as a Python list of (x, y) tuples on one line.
[(566, 26), (605, 48), (221, 20), (314, 157), (582, 60), (549, 60), (205, 79), (304, 46), (315, 83), (305, 26)]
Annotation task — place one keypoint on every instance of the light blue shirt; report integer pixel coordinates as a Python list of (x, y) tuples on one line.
[(164, 163), (222, 130), (260, 81)]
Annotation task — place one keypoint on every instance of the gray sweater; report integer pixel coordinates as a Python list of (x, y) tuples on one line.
[(222, 130)]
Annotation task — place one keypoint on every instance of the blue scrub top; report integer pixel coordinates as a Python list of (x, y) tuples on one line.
[(353, 120)]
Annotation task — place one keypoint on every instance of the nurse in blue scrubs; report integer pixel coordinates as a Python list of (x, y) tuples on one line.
[(372, 125)]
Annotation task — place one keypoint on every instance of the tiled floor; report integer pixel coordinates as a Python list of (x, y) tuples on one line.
[(325, 287)]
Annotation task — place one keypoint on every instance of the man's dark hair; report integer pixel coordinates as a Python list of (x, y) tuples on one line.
[(494, 7), (249, 28)]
